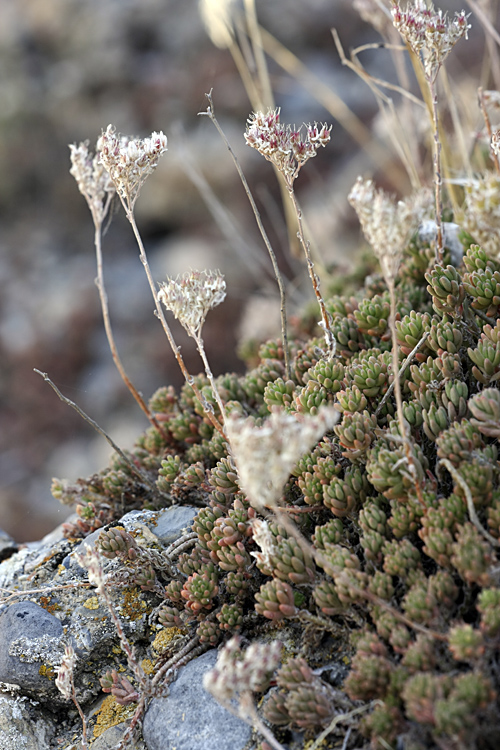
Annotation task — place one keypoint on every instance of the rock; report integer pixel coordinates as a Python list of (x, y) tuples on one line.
[(29, 638), (22, 725), (189, 718), (7, 545)]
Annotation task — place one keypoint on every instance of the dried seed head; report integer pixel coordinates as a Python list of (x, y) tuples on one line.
[(429, 33), (283, 146), (190, 297), (93, 181), (386, 225), (64, 679), (89, 559), (130, 161), (236, 672), (266, 455)]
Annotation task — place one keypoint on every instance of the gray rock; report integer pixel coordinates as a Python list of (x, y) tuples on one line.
[(7, 545), (30, 638), (109, 739), (189, 718), (22, 724), (167, 524)]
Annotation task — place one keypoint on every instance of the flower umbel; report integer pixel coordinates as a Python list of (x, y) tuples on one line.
[(283, 146), (386, 225), (130, 161), (191, 296), (93, 181), (429, 33)]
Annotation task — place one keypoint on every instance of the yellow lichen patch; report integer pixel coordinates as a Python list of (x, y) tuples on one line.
[(164, 639), (147, 666), (47, 671), (110, 714), (91, 603), (133, 607)]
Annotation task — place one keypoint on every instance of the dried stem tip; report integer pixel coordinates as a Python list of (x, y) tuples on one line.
[(191, 296), (430, 34), (130, 161), (283, 146)]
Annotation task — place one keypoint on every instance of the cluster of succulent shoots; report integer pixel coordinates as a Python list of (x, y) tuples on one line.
[(414, 559)]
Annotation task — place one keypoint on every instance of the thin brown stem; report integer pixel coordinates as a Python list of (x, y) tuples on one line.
[(458, 478), (325, 317), (135, 469), (438, 182), (109, 333), (403, 425), (401, 371), (211, 114), (486, 117), (129, 211), (201, 349)]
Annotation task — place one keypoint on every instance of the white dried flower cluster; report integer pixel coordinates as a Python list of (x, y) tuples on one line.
[(130, 161), (482, 211), (266, 455), (495, 142), (265, 539), (89, 559), (387, 225), (64, 679), (282, 145), (93, 181), (216, 16), (429, 33), (190, 297), (236, 672)]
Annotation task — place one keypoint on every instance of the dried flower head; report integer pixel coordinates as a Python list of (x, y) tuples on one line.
[(283, 146), (495, 142), (266, 455), (238, 672), (191, 296), (266, 540), (90, 560), (130, 161), (386, 225), (64, 679), (482, 211), (430, 34), (217, 19), (93, 181)]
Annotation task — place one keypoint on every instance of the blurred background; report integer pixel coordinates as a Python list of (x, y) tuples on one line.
[(68, 68)]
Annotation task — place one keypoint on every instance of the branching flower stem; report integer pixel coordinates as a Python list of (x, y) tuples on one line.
[(210, 113), (135, 469)]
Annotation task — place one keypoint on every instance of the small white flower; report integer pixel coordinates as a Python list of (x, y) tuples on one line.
[(192, 296)]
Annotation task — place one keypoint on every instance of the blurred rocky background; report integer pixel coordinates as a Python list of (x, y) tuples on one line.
[(67, 69)]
